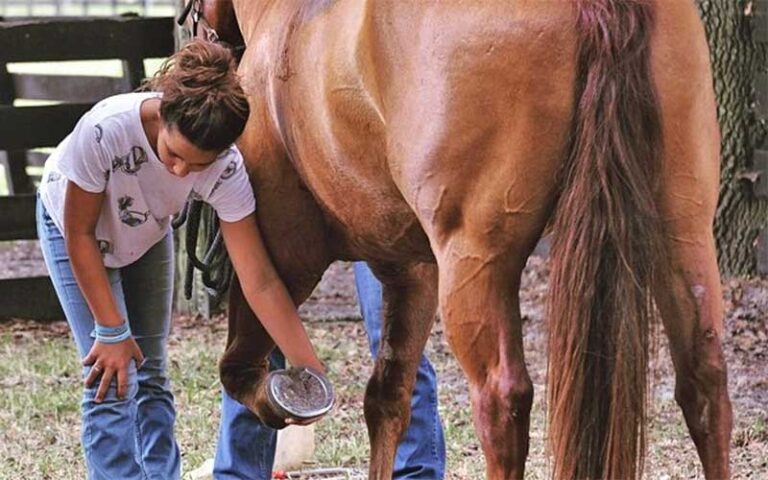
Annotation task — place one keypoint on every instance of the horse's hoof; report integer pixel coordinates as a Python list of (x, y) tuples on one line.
[(301, 394)]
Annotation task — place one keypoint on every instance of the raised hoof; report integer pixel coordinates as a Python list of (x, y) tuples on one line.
[(300, 394)]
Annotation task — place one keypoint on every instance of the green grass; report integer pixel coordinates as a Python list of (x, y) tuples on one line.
[(38, 407), (40, 401), (40, 392), (40, 386)]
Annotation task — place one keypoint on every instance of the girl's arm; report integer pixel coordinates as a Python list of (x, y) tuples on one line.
[(81, 212), (265, 292)]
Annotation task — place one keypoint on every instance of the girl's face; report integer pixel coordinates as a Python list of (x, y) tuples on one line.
[(179, 155)]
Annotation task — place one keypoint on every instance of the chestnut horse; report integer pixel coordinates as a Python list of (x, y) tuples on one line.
[(437, 141)]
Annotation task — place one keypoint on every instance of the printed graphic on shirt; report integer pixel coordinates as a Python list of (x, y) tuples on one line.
[(105, 247), (230, 170), (226, 174), (53, 177), (216, 186), (132, 218), (98, 132), (131, 162), (193, 195)]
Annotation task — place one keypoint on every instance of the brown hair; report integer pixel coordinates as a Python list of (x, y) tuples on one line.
[(202, 96)]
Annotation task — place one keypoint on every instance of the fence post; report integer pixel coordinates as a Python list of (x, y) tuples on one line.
[(15, 160), (133, 72)]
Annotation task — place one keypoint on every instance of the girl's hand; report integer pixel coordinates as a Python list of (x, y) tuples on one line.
[(108, 360)]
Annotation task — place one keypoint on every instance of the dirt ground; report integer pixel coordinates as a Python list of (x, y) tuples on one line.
[(332, 316)]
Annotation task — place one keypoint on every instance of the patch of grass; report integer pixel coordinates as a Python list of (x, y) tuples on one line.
[(40, 402), (40, 395), (39, 407), (342, 438)]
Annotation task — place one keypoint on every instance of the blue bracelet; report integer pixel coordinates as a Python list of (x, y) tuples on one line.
[(102, 330), (112, 334), (114, 338)]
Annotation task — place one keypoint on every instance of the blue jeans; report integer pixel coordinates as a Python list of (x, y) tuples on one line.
[(246, 448), (130, 438)]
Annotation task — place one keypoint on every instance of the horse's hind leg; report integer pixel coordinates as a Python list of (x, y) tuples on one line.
[(480, 306), (410, 298), (690, 303), (688, 292), (689, 298)]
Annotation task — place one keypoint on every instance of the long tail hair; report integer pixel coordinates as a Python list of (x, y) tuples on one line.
[(607, 239)]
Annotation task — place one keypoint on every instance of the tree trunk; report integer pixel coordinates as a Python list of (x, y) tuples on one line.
[(736, 60)]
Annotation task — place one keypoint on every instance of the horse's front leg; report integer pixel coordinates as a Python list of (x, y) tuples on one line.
[(295, 237)]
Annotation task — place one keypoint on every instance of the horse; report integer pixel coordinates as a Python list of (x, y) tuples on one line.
[(439, 141)]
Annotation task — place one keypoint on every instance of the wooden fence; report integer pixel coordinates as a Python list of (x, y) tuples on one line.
[(24, 128), (14, 8)]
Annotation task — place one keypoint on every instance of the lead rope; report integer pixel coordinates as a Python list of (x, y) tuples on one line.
[(215, 266)]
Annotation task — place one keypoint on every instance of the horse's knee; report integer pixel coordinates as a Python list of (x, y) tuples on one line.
[(705, 365)]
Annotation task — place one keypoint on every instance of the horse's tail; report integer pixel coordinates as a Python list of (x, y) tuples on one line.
[(607, 238)]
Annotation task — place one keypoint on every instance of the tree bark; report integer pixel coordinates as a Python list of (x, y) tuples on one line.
[(736, 60)]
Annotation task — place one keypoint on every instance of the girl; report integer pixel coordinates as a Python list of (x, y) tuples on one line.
[(106, 199)]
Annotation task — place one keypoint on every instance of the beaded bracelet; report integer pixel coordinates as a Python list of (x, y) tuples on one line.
[(112, 334)]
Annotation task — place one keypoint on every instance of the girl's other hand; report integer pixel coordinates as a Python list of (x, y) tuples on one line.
[(110, 360)]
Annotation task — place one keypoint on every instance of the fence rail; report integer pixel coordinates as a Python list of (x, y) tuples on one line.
[(14, 8), (23, 128)]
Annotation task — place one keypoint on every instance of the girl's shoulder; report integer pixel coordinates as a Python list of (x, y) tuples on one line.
[(117, 116), (225, 171), (226, 164), (123, 107)]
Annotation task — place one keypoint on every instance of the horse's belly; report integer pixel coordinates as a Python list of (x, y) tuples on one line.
[(370, 219)]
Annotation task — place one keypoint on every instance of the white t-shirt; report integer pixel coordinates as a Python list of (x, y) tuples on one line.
[(109, 152)]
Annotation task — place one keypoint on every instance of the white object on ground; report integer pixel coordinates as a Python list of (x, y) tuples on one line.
[(203, 472), (295, 447)]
